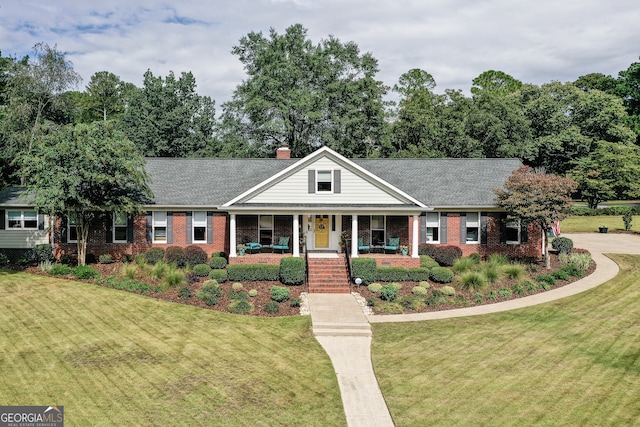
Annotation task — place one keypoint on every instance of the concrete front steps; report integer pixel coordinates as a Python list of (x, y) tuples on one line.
[(337, 329), (328, 274)]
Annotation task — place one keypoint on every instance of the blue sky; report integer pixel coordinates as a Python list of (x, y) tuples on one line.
[(454, 40)]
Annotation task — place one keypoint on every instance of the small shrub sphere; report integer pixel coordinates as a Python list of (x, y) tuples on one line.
[(441, 275)]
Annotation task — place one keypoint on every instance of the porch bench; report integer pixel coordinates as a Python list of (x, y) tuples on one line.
[(253, 247)]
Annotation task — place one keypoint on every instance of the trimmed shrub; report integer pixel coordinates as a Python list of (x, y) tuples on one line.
[(153, 255), (375, 287), (562, 244), (272, 307), (237, 286), (473, 281), (253, 293), (364, 268), (424, 284), (201, 270), (427, 262), (210, 293), (253, 272), (184, 293), (426, 249), (43, 252), (220, 276), (391, 274), (448, 291), (175, 255), (195, 255), (217, 262), (220, 254), (105, 259), (86, 272), (279, 293), (292, 271), (419, 291), (627, 219), (441, 275), (240, 307), (389, 292), (295, 302), (446, 255), (60, 269)]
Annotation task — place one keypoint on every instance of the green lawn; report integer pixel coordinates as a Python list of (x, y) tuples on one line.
[(575, 361), (589, 224), (115, 358)]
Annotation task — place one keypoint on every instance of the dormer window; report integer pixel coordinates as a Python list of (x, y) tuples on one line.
[(324, 181)]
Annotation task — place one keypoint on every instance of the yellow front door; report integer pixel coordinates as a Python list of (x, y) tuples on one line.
[(322, 231)]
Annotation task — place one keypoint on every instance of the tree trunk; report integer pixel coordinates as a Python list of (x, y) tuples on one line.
[(82, 227), (545, 244)]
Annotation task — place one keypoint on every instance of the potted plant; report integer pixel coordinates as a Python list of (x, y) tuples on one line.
[(344, 237), (404, 249), (604, 229), (241, 247)]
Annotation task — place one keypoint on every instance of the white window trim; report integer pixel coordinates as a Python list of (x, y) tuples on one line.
[(331, 173), (22, 227), (113, 224), (195, 224), (156, 223), (518, 227), (475, 225), (69, 240), (384, 230), (433, 225)]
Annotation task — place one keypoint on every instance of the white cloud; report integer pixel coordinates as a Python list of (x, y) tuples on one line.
[(454, 40)]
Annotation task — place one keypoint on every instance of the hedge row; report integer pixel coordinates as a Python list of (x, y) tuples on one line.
[(612, 210), (367, 270), (253, 272)]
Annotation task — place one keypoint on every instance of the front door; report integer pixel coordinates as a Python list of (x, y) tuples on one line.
[(322, 231)]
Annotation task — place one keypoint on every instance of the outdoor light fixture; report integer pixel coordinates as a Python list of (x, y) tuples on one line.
[(358, 281)]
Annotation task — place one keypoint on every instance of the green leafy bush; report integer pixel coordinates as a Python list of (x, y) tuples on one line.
[(127, 258), (210, 293), (279, 293), (448, 291), (220, 276), (446, 255), (195, 255), (153, 255), (546, 279), (505, 293), (237, 294), (419, 291), (217, 262), (4, 259), (518, 289), (562, 244), (530, 286), (184, 293), (401, 274), (272, 307), (389, 292), (412, 302), (460, 300), (627, 219), (220, 254), (175, 255), (292, 271), (295, 302), (561, 274), (473, 281), (86, 272), (43, 252), (573, 270), (253, 272), (60, 270), (441, 275), (364, 268), (375, 287), (426, 249), (237, 286), (424, 284), (240, 306), (427, 262), (201, 270), (436, 298), (253, 293), (478, 298), (105, 259)]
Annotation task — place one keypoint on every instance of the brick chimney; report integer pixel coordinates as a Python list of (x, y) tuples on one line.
[(283, 152)]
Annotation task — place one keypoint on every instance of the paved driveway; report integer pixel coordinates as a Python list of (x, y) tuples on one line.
[(606, 243)]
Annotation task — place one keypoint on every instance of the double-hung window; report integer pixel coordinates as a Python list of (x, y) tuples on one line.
[(159, 227), (265, 229), (324, 182), (72, 229), (433, 227), (378, 230), (199, 227), (512, 232), (22, 220), (473, 227), (119, 227)]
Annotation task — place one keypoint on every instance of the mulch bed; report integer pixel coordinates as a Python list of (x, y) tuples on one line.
[(264, 294)]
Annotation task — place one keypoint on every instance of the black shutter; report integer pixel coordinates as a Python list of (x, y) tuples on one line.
[(336, 181), (149, 232), (2, 214), (189, 227), (312, 181), (503, 228), (40, 222), (443, 228), (463, 228), (64, 224), (169, 227), (209, 227), (483, 228), (130, 218), (109, 227), (524, 235), (423, 227)]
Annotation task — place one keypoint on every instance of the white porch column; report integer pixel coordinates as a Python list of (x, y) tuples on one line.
[(296, 236), (232, 235), (354, 236), (415, 237)]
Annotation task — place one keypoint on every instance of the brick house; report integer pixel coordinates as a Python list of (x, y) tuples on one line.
[(218, 203)]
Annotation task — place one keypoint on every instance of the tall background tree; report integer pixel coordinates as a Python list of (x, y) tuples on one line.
[(85, 170), (305, 95)]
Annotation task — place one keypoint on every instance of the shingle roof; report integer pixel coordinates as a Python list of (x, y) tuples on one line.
[(11, 197)]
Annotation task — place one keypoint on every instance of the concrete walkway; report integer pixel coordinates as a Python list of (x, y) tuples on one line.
[(344, 331)]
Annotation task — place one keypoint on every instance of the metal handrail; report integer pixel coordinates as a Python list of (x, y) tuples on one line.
[(347, 260)]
